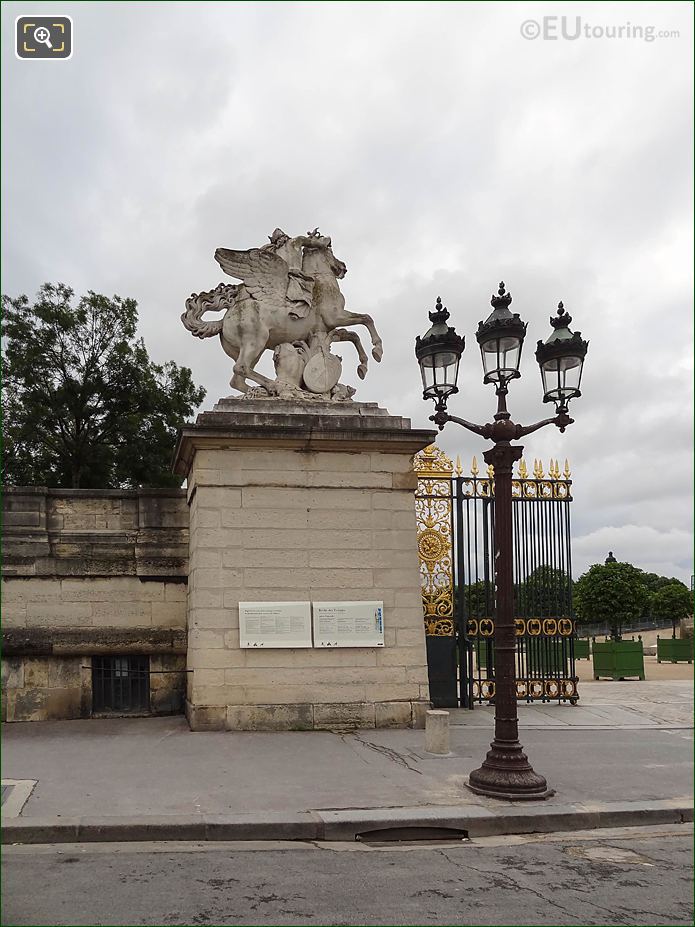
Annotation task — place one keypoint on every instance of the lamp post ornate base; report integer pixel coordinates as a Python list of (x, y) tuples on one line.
[(507, 773)]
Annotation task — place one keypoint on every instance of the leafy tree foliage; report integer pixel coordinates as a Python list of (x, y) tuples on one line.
[(546, 591), (672, 601), (653, 582), (610, 593), (83, 404), (479, 599)]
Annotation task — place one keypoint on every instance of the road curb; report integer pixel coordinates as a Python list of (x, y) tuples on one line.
[(348, 825)]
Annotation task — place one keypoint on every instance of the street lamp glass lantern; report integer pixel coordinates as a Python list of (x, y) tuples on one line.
[(501, 358), (438, 353), (501, 338), (561, 361), (439, 375), (561, 378)]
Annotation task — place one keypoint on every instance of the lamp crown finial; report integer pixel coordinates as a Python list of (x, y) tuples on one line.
[(563, 319), (441, 313), (501, 299)]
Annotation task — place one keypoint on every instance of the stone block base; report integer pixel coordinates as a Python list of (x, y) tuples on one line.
[(206, 717), (44, 688), (309, 502), (59, 688), (307, 716), (270, 717)]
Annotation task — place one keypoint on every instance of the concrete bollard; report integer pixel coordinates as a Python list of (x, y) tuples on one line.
[(437, 732)]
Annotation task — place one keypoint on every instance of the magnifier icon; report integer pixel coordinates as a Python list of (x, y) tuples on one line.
[(43, 36)]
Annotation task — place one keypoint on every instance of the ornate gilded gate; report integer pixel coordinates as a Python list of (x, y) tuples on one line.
[(455, 515)]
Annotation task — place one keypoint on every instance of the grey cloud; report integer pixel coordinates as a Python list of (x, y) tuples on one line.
[(441, 151)]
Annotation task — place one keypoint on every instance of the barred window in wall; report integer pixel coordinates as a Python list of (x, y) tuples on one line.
[(120, 684)]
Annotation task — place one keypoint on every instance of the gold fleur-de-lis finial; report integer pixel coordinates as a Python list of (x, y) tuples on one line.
[(474, 467), (523, 470), (459, 468), (538, 469), (555, 469), (491, 472), (567, 472)]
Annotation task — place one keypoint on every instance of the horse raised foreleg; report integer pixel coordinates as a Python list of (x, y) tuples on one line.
[(342, 334), (343, 317)]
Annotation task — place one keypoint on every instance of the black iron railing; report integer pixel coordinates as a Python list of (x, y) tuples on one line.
[(455, 531)]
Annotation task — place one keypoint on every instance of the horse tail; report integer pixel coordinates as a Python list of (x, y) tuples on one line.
[(217, 300)]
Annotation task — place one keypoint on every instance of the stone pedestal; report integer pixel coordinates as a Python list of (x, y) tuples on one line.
[(302, 502)]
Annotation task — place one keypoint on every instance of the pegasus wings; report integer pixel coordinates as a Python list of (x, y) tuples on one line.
[(263, 272)]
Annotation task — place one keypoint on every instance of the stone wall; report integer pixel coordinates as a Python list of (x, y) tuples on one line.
[(283, 504), (89, 572), (49, 688)]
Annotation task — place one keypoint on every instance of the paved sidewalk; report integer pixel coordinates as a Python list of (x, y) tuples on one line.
[(627, 705), (614, 757), (653, 671)]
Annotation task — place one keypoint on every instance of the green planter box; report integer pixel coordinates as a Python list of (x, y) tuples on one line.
[(581, 648), (673, 650), (618, 659)]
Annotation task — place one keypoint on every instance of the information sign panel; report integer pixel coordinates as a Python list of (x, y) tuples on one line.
[(348, 624), (274, 624)]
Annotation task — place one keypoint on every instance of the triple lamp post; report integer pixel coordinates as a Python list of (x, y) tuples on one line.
[(506, 771)]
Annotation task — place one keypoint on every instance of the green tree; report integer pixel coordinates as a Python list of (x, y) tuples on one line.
[(672, 602), (610, 593), (83, 404), (546, 591), (479, 600), (653, 583)]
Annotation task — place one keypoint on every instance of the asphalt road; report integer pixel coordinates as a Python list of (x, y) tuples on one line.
[(639, 876)]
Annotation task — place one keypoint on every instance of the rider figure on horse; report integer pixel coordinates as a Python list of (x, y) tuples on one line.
[(300, 285)]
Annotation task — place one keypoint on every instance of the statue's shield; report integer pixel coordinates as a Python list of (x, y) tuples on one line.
[(322, 372)]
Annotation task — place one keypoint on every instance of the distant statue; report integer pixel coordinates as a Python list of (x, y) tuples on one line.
[(289, 302)]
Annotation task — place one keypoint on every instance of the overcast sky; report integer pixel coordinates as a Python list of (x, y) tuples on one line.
[(443, 151)]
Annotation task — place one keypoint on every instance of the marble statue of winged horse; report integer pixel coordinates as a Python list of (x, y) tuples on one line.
[(258, 314)]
